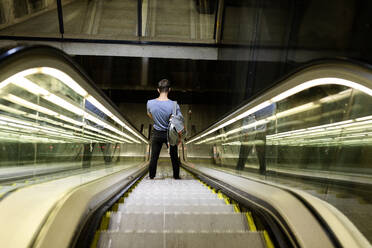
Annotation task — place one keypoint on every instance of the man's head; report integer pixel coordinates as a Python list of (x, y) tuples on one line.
[(164, 86)]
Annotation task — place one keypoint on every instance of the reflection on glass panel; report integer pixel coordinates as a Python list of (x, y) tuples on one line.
[(49, 124), (115, 19), (316, 137), (181, 21), (29, 18), (250, 22)]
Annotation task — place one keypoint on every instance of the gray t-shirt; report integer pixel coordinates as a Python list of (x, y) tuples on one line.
[(161, 111)]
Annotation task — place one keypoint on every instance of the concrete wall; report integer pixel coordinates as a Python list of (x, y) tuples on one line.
[(276, 37), (16, 11)]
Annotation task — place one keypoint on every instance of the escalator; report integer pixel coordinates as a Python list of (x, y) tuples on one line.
[(240, 178), (178, 213)]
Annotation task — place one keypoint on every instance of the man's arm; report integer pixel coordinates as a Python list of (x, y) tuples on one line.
[(148, 111)]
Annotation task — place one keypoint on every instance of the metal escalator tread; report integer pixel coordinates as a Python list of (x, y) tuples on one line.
[(176, 208), (180, 221), (181, 240), (149, 201), (176, 213)]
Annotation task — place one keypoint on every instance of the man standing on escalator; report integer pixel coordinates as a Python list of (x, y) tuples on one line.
[(160, 110)]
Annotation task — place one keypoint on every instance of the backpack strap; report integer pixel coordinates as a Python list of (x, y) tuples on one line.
[(174, 108)]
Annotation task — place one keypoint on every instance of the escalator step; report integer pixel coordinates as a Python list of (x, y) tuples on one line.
[(155, 193), (153, 201), (172, 196), (181, 240), (181, 222), (176, 208)]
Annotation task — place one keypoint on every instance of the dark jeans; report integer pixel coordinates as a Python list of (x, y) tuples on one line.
[(157, 140)]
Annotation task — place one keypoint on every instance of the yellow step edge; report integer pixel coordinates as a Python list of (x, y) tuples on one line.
[(219, 195), (250, 220), (95, 239), (115, 207), (105, 221), (236, 208), (269, 243)]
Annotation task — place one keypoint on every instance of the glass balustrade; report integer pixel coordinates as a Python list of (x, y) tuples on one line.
[(50, 124), (315, 136)]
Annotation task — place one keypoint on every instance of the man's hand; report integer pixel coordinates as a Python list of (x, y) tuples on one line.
[(150, 115), (179, 139)]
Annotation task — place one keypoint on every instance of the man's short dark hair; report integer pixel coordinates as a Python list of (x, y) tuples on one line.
[(164, 85)]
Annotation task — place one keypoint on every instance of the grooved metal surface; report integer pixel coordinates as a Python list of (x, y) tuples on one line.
[(176, 213)]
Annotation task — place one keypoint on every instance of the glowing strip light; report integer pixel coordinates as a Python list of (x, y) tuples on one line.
[(70, 120), (292, 111), (26, 138), (364, 118), (332, 98), (69, 136), (12, 110), (37, 90), (10, 119), (298, 109), (27, 104), (331, 125), (64, 78), (245, 114), (343, 129), (20, 80), (107, 126), (18, 75), (100, 136), (251, 125), (302, 108), (113, 117), (32, 126), (118, 139), (286, 94), (318, 82), (30, 105), (27, 125), (324, 142)]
